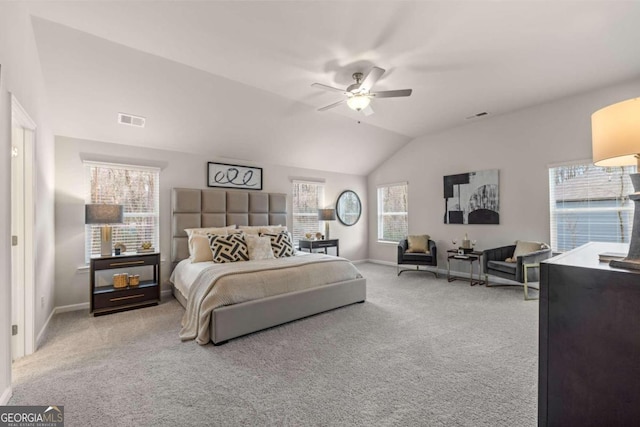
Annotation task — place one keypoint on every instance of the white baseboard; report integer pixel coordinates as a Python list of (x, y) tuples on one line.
[(377, 261), (43, 330), (71, 307), (6, 395)]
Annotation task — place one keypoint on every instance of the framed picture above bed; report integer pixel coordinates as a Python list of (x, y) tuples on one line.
[(234, 176)]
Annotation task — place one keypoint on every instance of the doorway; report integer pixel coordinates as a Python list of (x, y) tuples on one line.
[(22, 228)]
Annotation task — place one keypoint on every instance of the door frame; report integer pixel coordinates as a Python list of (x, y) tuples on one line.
[(19, 117)]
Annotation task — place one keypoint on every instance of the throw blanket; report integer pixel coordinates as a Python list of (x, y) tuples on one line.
[(233, 283)]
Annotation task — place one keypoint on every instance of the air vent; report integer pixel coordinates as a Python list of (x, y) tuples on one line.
[(131, 120), (475, 116)]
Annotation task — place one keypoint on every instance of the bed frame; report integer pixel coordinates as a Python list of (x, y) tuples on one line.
[(195, 208)]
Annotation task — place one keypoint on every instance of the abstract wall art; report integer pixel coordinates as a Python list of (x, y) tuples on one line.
[(472, 198)]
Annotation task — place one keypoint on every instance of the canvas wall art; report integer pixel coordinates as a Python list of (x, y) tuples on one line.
[(472, 198)]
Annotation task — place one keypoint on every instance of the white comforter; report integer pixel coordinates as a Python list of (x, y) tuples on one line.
[(225, 284)]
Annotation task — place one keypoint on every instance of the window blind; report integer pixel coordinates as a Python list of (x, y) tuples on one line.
[(135, 187), (393, 212), (308, 197), (588, 203)]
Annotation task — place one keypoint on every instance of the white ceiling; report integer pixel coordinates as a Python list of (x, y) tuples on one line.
[(233, 79)]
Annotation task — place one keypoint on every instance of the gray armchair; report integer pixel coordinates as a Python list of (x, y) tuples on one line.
[(417, 259), (524, 270)]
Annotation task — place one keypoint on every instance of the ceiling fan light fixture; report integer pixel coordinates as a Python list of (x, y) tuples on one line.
[(358, 102)]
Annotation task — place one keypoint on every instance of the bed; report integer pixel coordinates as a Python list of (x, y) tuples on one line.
[(287, 296)]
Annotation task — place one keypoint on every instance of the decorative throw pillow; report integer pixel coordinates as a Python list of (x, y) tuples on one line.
[(281, 244), (419, 243), (259, 247), (230, 248), (199, 250), (524, 248)]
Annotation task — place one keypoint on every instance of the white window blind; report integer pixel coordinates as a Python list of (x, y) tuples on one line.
[(137, 188), (308, 197), (589, 204), (393, 212)]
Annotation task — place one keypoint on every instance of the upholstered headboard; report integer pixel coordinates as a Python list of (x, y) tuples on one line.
[(197, 208)]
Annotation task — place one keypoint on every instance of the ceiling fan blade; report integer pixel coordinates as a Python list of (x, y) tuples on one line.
[(367, 111), (368, 82), (335, 104), (329, 88), (391, 93)]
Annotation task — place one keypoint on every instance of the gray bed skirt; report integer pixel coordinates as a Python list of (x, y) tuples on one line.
[(233, 321)]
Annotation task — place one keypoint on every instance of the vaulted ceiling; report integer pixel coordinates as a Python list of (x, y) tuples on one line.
[(233, 79)]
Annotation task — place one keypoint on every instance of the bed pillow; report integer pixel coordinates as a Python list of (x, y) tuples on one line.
[(281, 244), (257, 229), (259, 247), (229, 248)]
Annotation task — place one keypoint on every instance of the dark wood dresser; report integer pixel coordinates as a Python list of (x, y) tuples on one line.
[(589, 371)]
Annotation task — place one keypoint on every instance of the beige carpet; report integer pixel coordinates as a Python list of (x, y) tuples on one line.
[(420, 351)]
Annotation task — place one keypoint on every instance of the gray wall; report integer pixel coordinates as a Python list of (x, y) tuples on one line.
[(177, 170), (21, 75), (521, 145)]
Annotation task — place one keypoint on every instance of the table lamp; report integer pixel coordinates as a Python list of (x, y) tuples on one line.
[(326, 215), (616, 142), (105, 215)]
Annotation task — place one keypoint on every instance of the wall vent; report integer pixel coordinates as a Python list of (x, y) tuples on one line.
[(131, 120)]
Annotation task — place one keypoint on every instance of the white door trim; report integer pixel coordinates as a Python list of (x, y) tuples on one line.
[(20, 117)]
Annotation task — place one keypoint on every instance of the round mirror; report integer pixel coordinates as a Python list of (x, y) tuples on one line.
[(348, 208)]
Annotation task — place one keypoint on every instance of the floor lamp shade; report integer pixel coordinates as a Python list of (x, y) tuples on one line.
[(326, 215), (616, 142), (104, 215)]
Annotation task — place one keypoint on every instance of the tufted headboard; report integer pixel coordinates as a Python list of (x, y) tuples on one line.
[(197, 208)]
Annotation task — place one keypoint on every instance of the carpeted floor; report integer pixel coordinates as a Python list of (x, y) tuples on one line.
[(420, 351)]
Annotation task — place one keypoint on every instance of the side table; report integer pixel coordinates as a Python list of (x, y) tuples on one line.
[(320, 244), (109, 299), (470, 257)]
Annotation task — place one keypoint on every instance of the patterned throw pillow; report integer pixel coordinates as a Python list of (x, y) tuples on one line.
[(230, 248), (281, 244)]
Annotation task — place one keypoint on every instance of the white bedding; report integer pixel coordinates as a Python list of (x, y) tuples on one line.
[(186, 273)]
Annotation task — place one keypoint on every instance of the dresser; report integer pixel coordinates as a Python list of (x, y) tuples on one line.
[(589, 368)]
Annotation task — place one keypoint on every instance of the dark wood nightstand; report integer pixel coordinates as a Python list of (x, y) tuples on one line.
[(320, 244), (108, 299)]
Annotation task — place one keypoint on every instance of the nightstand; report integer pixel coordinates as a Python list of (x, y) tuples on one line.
[(108, 299), (320, 244)]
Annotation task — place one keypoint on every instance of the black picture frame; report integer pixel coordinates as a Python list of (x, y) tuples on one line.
[(226, 175)]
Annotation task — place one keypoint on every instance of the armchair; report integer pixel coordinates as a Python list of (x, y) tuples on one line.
[(416, 258), (525, 269)]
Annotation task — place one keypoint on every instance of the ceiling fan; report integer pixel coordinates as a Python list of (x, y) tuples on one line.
[(359, 95)]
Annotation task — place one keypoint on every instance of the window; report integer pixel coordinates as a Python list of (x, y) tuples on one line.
[(132, 186), (393, 213), (308, 197), (589, 204)]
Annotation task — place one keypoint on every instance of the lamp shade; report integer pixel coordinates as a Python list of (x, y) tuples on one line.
[(358, 102), (615, 132), (103, 214), (326, 214)]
